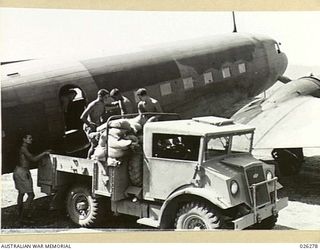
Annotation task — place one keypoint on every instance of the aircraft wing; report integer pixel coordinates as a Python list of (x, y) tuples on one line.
[(290, 118)]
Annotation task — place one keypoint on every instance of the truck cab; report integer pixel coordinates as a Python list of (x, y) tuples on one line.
[(195, 174)]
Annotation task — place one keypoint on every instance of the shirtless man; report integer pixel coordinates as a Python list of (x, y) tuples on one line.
[(124, 103), (22, 176), (92, 117), (147, 104)]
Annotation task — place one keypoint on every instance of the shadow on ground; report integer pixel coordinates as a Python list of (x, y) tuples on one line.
[(41, 217), (304, 187), (58, 219)]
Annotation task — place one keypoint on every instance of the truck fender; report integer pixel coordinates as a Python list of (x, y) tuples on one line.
[(208, 195)]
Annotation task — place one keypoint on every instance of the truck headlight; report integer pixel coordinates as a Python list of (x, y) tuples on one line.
[(269, 175), (234, 187)]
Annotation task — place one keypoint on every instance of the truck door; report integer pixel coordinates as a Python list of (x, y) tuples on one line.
[(171, 165)]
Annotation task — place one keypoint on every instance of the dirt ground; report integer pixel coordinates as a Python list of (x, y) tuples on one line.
[(303, 191), (302, 213)]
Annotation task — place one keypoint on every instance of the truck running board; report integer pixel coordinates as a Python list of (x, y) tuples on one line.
[(148, 222)]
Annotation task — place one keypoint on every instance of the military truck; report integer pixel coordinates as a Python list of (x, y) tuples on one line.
[(196, 174)]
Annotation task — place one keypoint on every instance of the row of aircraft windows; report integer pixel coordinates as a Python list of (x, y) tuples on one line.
[(166, 89)]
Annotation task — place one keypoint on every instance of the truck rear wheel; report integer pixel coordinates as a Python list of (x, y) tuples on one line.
[(197, 216), (82, 208)]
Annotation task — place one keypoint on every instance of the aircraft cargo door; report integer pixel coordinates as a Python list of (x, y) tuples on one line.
[(73, 103)]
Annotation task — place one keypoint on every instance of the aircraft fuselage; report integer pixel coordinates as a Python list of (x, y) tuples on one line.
[(195, 78)]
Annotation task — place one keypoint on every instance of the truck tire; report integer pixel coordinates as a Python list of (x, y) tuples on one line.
[(135, 169), (267, 223), (82, 208), (197, 216)]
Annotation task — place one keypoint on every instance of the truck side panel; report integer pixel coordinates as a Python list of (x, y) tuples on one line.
[(101, 180), (119, 180), (58, 171), (46, 178)]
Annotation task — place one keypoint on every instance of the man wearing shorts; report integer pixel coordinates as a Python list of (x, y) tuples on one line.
[(22, 176), (92, 117)]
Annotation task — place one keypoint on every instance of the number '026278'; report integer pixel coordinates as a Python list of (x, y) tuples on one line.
[(308, 246)]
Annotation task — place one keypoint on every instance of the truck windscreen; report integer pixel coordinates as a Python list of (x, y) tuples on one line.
[(218, 146)]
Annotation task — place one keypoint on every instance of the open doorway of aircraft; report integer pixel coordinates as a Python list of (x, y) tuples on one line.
[(193, 78)]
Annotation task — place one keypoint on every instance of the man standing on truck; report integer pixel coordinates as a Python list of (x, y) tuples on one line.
[(22, 177), (124, 103), (92, 117), (147, 104)]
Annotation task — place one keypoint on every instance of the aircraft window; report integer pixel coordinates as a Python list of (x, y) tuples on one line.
[(165, 89), (207, 77), (184, 147), (188, 83), (242, 68), (226, 72)]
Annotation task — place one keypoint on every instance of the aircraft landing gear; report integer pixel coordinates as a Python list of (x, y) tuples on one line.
[(288, 160)]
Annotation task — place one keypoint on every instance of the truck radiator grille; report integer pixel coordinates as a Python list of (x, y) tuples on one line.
[(255, 175)]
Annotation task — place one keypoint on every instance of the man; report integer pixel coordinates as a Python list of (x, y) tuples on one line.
[(124, 103), (22, 177), (92, 117), (147, 104)]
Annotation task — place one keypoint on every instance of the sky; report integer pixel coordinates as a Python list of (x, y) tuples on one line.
[(42, 33)]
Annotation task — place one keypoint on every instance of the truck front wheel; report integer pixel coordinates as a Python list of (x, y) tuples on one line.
[(197, 216), (82, 208)]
